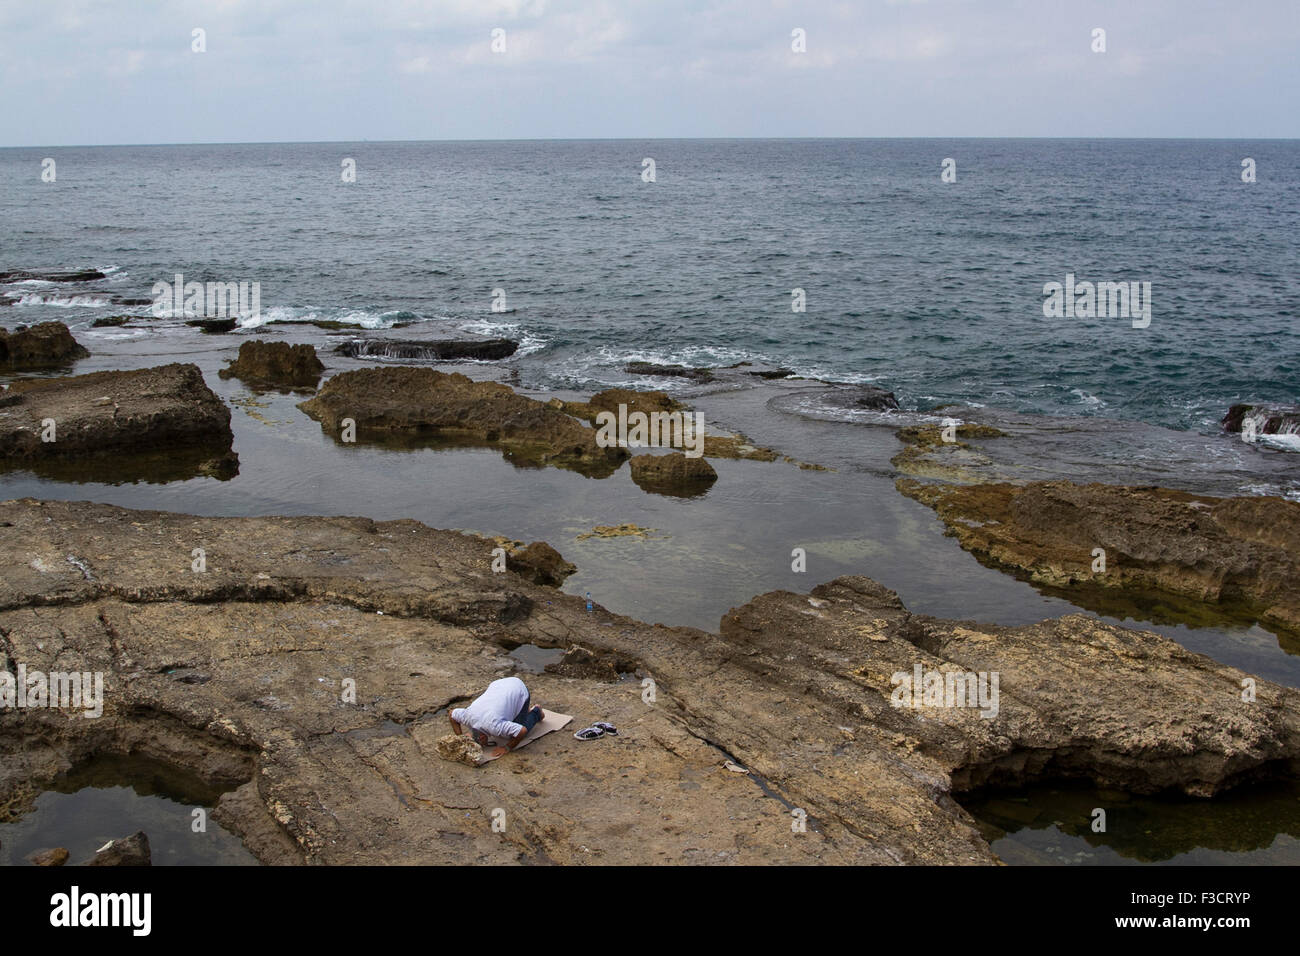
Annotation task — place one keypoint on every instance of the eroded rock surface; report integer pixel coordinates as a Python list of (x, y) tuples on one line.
[(430, 350), (55, 856), (128, 851), (1241, 553), (1267, 419), (46, 345), (672, 474), (276, 365), (166, 412), (415, 403), (275, 672), (935, 451)]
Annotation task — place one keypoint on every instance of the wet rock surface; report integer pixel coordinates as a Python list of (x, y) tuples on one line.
[(610, 399), (697, 374), (1240, 553), (128, 851), (106, 415), (276, 365), (795, 687), (673, 473), (48, 857), (1266, 419), (430, 350), (47, 345), (213, 326), (414, 403), (936, 451), (83, 275)]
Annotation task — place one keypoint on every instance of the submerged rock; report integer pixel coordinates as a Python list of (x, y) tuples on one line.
[(431, 350), (105, 415), (926, 454), (276, 364), (1242, 553), (422, 403), (802, 690), (46, 345), (698, 374), (625, 530)]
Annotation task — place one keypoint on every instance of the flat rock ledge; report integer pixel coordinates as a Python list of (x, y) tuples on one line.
[(1242, 554), (243, 674), (168, 410)]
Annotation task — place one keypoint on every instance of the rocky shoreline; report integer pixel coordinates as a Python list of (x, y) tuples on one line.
[(238, 673), (1241, 555), (228, 645)]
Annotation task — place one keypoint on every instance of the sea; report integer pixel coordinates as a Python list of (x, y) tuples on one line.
[(924, 267)]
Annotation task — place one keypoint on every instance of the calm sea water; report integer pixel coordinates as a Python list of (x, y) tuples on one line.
[(932, 289)]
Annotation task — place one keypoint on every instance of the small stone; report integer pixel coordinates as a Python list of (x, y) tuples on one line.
[(460, 749), (48, 857)]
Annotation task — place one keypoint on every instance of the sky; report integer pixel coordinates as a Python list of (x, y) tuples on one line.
[(91, 72)]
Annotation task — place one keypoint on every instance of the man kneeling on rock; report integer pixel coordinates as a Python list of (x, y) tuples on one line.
[(502, 715)]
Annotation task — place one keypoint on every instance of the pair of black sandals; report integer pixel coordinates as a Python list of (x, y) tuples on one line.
[(599, 729)]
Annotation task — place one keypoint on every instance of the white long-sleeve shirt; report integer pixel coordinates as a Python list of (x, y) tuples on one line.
[(494, 711)]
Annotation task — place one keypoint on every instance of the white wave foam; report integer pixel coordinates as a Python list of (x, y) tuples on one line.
[(359, 317), (529, 342), (1087, 399), (1280, 442), (810, 406), (65, 301)]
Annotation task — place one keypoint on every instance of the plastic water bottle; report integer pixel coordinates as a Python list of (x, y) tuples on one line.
[(588, 600)]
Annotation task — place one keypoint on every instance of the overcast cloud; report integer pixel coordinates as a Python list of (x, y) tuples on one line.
[(122, 71)]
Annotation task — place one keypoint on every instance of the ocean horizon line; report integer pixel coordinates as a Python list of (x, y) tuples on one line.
[(674, 139)]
